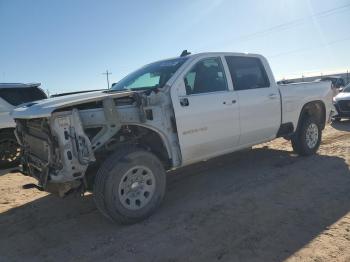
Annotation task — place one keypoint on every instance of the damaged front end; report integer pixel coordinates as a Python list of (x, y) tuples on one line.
[(62, 147), (56, 150)]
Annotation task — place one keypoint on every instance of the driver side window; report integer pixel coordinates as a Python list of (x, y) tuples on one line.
[(206, 76)]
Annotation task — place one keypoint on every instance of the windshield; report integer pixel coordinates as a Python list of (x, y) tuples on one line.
[(347, 89), (154, 75)]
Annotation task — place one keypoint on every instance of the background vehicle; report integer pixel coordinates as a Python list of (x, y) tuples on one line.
[(337, 82), (12, 95), (285, 82), (166, 115), (342, 104)]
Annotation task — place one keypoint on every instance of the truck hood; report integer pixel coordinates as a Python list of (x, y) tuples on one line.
[(342, 96), (44, 108)]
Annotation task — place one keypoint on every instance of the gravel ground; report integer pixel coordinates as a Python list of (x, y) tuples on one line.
[(264, 204)]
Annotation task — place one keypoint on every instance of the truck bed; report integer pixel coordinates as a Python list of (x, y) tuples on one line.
[(296, 95)]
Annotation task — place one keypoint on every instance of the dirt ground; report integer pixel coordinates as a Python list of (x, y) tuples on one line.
[(265, 204)]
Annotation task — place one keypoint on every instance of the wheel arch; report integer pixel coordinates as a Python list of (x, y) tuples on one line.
[(315, 108), (151, 140), (156, 142)]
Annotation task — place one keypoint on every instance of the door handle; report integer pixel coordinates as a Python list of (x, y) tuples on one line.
[(272, 96), (230, 102), (184, 101)]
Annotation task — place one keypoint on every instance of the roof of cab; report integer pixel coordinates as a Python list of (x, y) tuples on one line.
[(19, 85), (204, 54), (224, 53)]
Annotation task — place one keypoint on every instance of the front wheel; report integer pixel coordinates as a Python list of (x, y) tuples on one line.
[(307, 139), (130, 185)]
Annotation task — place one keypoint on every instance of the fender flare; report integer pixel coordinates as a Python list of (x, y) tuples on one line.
[(162, 136), (306, 108)]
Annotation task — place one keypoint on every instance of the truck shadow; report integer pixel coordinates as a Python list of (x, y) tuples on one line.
[(260, 205), (8, 170)]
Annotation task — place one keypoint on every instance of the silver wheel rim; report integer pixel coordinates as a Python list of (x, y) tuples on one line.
[(136, 187), (311, 135)]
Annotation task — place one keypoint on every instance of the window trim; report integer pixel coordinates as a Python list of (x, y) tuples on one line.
[(223, 70), (261, 66)]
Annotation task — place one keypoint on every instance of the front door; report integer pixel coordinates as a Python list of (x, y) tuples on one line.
[(207, 116)]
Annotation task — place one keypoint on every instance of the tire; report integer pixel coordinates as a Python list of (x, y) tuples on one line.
[(307, 139), (130, 185), (9, 150)]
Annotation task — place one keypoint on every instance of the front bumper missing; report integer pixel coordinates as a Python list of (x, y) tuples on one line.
[(61, 156)]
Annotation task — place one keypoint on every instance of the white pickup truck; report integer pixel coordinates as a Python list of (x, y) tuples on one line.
[(168, 114)]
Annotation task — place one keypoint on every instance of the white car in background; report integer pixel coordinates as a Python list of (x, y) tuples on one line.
[(341, 103), (12, 95)]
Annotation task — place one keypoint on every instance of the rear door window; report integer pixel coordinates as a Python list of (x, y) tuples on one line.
[(17, 96), (247, 73)]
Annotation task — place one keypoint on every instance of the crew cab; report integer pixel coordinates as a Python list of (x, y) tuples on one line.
[(119, 143)]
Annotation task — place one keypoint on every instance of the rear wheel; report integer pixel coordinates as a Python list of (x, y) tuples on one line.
[(9, 150), (130, 185), (307, 139)]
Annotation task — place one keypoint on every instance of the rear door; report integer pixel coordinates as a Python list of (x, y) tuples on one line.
[(206, 111), (259, 100)]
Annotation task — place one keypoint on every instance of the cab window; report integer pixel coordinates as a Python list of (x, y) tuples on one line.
[(247, 73), (206, 76)]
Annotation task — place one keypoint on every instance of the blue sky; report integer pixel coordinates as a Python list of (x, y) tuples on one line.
[(67, 44)]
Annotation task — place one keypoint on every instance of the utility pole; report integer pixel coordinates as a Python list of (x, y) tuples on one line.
[(107, 76)]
